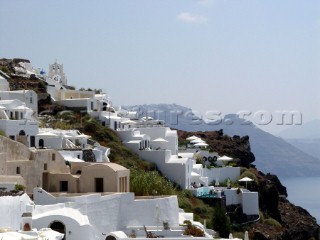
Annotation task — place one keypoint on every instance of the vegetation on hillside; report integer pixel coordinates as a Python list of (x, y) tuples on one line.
[(145, 180)]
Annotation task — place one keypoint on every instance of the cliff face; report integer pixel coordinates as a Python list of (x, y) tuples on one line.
[(280, 219), (235, 147), (296, 223)]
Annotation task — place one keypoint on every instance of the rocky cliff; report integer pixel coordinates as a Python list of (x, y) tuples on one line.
[(279, 219)]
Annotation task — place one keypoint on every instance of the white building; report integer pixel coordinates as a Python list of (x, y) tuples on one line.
[(71, 144), (97, 105), (29, 97), (96, 216), (17, 122), (159, 145)]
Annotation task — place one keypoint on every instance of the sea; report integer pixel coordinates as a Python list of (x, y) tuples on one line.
[(304, 192)]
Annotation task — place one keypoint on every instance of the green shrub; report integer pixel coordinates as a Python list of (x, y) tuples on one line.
[(201, 210), (221, 222), (149, 183), (19, 187), (272, 222), (184, 203), (187, 193), (62, 125), (249, 174)]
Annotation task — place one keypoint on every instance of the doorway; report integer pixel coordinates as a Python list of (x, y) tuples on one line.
[(59, 227), (99, 184)]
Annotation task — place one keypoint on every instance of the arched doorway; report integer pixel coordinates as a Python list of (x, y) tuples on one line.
[(59, 227), (110, 238), (26, 227), (41, 143), (22, 133)]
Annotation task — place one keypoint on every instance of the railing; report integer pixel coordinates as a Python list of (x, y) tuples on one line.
[(71, 145)]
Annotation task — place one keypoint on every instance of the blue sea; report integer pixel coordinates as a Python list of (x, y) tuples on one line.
[(304, 192)]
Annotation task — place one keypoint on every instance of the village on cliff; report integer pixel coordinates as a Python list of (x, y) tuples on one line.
[(60, 183)]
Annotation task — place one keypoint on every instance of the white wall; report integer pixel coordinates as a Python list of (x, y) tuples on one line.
[(165, 133), (232, 197), (106, 214), (176, 171), (143, 212), (50, 142), (223, 173), (11, 209), (250, 203), (13, 127), (75, 103)]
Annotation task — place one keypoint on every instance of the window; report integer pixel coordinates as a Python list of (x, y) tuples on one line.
[(32, 141), (63, 186), (31, 100), (18, 170), (78, 156), (53, 156), (45, 167), (12, 137)]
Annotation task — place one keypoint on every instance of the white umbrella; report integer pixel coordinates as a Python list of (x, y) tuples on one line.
[(192, 138), (194, 174), (159, 140), (198, 140), (128, 122), (225, 158), (245, 179), (201, 144)]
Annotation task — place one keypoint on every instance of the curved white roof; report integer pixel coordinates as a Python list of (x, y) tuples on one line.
[(65, 212)]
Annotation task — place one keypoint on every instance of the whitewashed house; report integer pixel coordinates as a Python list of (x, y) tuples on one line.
[(29, 97), (71, 144), (159, 145), (17, 122), (113, 216)]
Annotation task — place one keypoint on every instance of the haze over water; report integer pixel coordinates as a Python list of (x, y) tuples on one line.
[(304, 192)]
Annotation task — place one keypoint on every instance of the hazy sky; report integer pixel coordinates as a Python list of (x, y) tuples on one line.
[(223, 55)]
